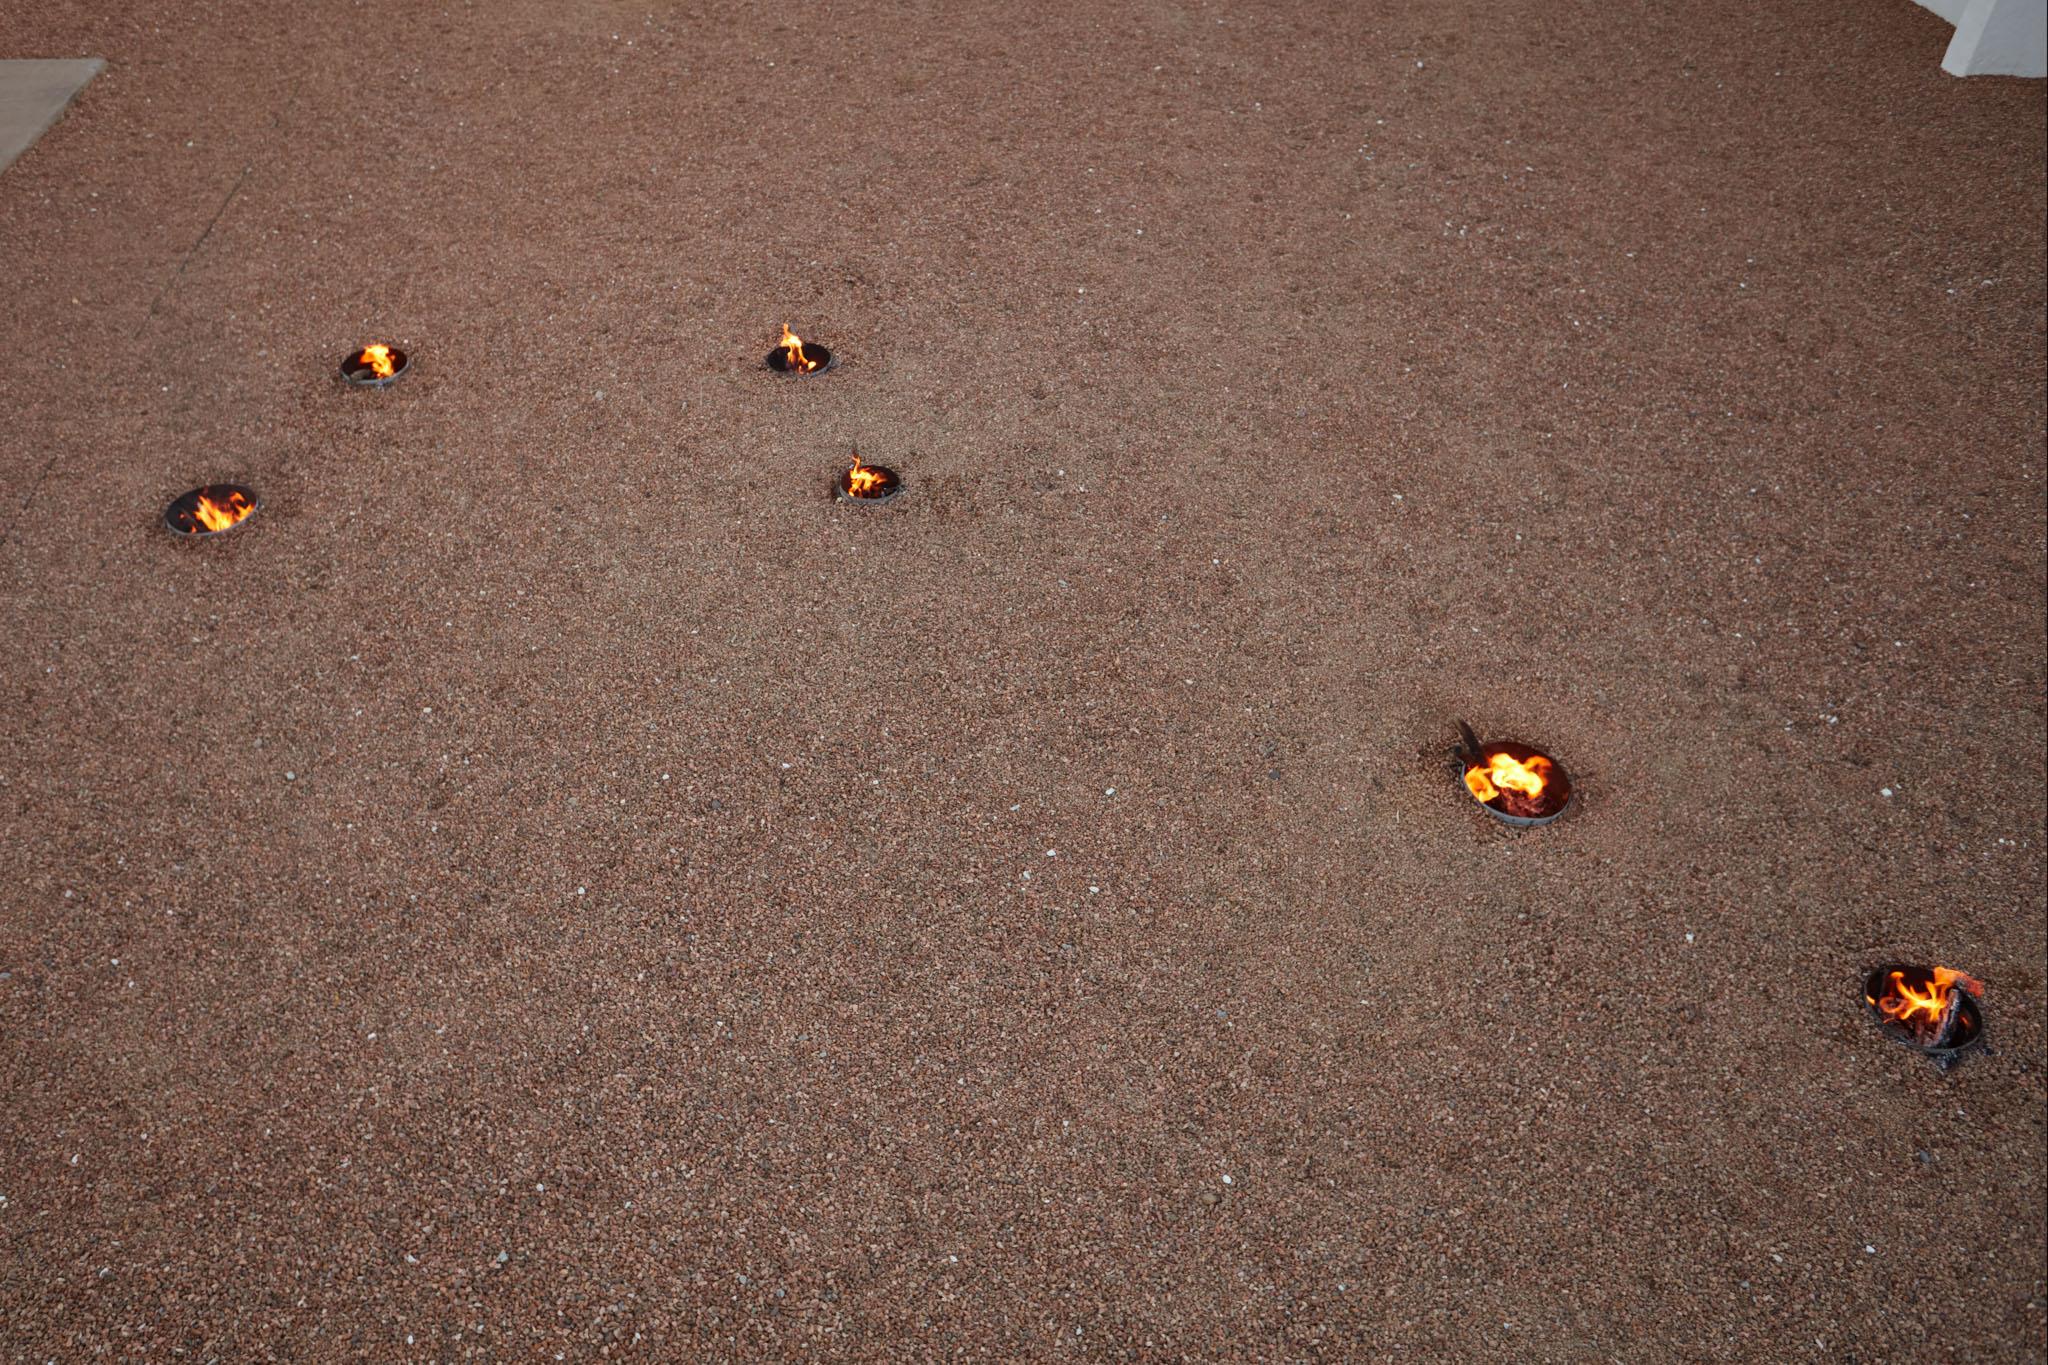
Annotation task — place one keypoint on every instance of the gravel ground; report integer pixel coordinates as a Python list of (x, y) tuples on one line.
[(554, 883)]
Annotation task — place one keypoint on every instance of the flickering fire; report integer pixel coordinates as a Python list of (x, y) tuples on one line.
[(218, 516), (374, 366), (794, 359), (1504, 772), (865, 481), (377, 359), (210, 510), (1926, 1005), (1515, 783)]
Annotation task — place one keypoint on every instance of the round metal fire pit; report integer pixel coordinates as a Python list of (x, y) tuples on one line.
[(888, 487), (778, 361), (1512, 808), (213, 510), (1965, 1033), (359, 367)]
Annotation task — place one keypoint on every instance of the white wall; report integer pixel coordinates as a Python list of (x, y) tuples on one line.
[(1995, 37), (1951, 10)]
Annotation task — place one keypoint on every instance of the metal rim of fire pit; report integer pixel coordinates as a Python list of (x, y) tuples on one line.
[(888, 494), (1878, 981), (186, 502), (778, 361), (362, 376), (1469, 750)]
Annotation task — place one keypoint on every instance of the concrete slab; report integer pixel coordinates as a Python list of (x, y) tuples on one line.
[(32, 95)]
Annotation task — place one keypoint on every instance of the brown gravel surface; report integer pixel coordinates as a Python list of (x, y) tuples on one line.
[(553, 882)]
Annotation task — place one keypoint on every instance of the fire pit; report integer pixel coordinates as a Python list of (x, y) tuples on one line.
[(211, 510), (374, 366), (1929, 1009), (793, 355), (866, 483), (1516, 784)]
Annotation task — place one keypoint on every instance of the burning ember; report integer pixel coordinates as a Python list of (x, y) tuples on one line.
[(1933, 1009), (868, 482), (374, 366), (1515, 783), (793, 355), (210, 510)]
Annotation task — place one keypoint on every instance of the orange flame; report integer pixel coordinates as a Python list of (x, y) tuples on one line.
[(1921, 1007), (378, 359), (1504, 772), (216, 516), (864, 481), (793, 357)]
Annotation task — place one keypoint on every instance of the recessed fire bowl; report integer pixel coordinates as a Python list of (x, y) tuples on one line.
[(1515, 784), (375, 366), (799, 358), (1932, 1010), (866, 483), (210, 511)]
